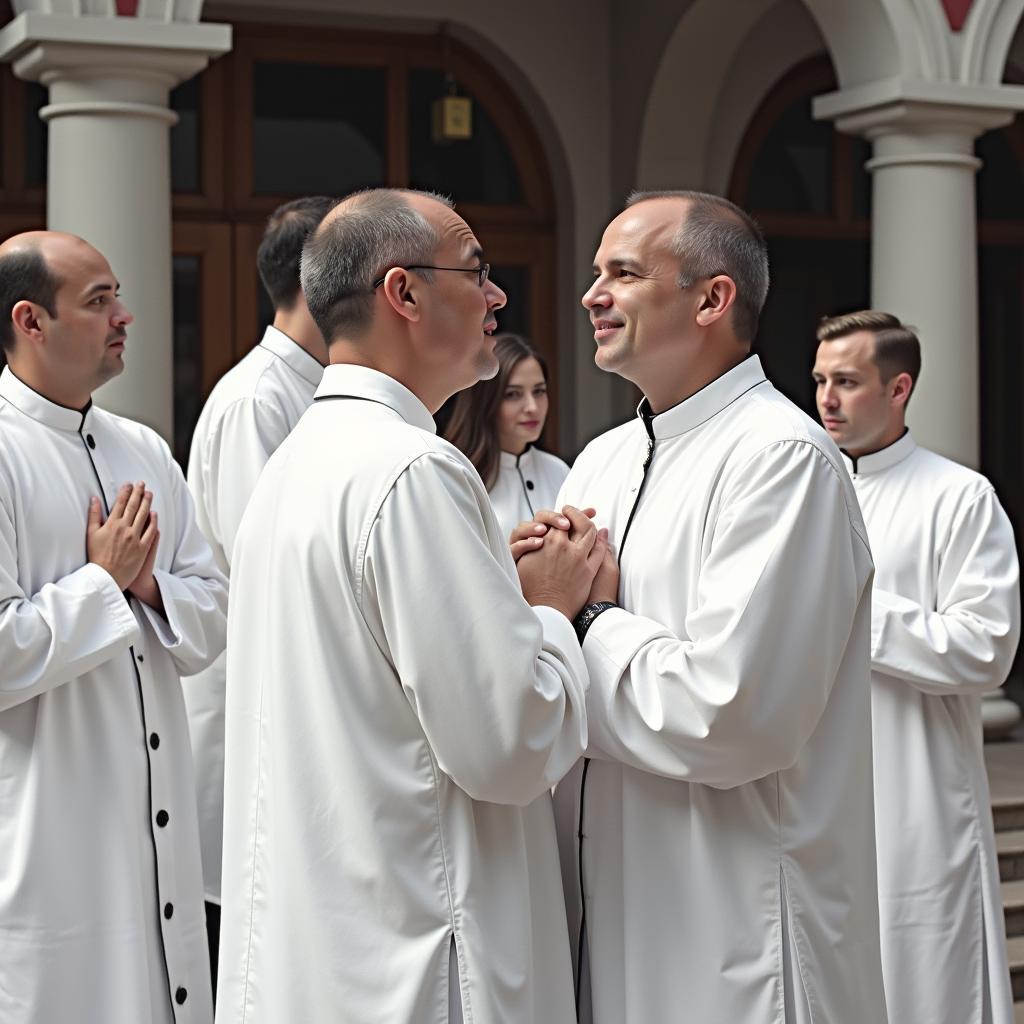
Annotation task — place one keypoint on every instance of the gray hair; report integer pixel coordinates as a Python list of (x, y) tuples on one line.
[(717, 237), (376, 230)]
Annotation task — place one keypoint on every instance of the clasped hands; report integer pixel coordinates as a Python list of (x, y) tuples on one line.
[(125, 543), (565, 562)]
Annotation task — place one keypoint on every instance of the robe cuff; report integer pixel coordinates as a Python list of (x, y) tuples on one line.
[(167, 629), (561, 637), (884, 605), (121, 617), (613, 640)]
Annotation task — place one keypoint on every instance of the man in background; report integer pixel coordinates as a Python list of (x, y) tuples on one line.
[(945, 619), (249, 413)]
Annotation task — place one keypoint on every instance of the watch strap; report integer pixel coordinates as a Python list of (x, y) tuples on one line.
[(585, 619)]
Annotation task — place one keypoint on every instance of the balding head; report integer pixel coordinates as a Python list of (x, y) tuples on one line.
[(25, 273), (64, 325), (362, 237), (714, 237)]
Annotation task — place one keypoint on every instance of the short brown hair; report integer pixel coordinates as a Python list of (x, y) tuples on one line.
[(897, 348)]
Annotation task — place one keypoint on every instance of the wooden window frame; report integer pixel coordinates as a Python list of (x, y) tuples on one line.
[(211, 244)]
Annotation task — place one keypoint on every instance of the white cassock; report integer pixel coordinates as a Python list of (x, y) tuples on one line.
[(525, 484), (396, 714), (249, 413), (728, 851), (945, 622), (101, 900)]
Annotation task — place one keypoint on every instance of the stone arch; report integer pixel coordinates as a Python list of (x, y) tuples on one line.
[(713, 73), (992, 31)]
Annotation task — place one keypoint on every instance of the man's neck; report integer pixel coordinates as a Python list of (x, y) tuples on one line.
[(383, 358), (57, 392), (299, 326), (671, 390), (889, 438)]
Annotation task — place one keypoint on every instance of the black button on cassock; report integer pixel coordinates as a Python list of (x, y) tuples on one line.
[(89, 440), (154, 740), (162, 817), (529, 485), (168, 910), (181, 995)]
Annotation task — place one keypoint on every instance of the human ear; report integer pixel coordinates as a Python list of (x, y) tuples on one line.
[(902, 384), (401, 294), (25, 317), (717, 299)]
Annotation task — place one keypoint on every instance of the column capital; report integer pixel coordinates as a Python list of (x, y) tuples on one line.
[(909, 106), (43, 46)]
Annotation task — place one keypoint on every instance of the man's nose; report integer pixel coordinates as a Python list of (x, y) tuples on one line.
[(594, 296), (122, 317), (829, 399), (496, 298)]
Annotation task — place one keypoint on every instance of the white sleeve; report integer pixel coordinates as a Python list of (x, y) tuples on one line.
[(965, 644), (499, 688), (193, 628), (246, 435), (70, 627), (778, 592)]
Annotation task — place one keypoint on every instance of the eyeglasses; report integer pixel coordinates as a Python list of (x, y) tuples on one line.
[(481, 272)]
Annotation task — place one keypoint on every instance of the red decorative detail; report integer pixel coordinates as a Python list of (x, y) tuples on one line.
[(956, 12), (127, 8)]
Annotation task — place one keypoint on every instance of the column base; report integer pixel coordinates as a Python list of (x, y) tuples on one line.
[(999, 715)]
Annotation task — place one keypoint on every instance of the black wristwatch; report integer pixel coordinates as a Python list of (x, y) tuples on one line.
[(586, 617)]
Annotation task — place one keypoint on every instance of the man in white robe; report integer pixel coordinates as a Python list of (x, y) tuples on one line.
[(723, 825), (108, 593), (396, 712), (945, 621), (249, 413)]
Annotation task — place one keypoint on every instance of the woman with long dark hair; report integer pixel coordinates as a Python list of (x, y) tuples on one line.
[(497, 422)]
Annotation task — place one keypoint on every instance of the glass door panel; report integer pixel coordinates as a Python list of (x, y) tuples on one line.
[(317, 129)]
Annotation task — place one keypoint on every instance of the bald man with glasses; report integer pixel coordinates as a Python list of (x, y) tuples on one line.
[(396, 710)]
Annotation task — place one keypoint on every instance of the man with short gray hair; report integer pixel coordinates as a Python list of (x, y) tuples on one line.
[(945, 618), (396, 711), (721, 836)]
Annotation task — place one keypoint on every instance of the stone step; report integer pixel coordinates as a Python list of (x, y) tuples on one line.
[(1010, 850), (1015, 954), (1013, 908), (1008, 813)]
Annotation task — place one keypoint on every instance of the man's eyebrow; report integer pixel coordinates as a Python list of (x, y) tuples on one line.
[(102, 286), (477, 254), (619, 263)]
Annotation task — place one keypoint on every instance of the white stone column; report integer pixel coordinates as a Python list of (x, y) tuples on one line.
[(924, 259), (109, 165)]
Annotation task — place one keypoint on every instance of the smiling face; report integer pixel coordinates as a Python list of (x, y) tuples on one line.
[(523, 408), (459, 315), (639, 312), (861, 413)]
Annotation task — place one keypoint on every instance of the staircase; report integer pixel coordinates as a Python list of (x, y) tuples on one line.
[(1006, 777)]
